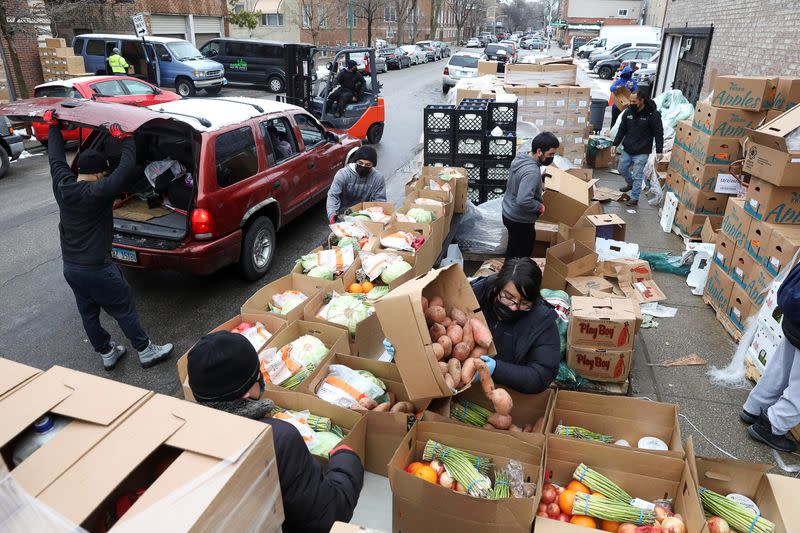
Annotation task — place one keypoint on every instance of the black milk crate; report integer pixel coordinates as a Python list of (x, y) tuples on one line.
[(482, 193), (475, 101), (472, 165), (501, 147), (503, 114), (437, 160), (439, 118), (470, 145), (474, 193), (439, 144), (471, 118), (495, 173)]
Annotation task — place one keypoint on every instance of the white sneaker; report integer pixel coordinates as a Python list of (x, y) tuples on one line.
[(154, 354)]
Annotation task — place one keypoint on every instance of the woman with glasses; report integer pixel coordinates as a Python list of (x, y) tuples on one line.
[(523, 327)]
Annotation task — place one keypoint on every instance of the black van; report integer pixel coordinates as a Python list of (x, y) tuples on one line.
[(250, 61)]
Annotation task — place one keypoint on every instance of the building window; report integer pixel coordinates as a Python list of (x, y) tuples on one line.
[(622, 12), (323, 17), (238, 8), (273, 19), (389, 14), (306, 16)]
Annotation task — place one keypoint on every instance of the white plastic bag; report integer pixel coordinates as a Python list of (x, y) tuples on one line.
[(257, 335), (350, 229), (299, 419), (285, 301), (374, 264), (399, 240)]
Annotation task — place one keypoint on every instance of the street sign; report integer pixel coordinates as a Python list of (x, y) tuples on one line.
[(139, 25)]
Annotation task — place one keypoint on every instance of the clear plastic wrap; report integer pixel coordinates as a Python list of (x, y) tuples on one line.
[(516, 476), (481, 230)]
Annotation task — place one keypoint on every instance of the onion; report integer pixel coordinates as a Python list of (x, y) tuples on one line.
[(626, 528), (718, 525), (437, 467), (661, 512), (672, 524), (542, 508), (553, 510), (446, 480), (549, 494), (563, 517)]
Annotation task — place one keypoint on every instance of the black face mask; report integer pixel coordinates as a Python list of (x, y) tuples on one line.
[(547, 161), (505, 313), (363, 171)]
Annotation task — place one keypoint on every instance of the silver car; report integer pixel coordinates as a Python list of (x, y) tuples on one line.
[(461, 65)]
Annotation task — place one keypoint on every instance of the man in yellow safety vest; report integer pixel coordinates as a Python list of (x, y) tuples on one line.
[(119, 67)]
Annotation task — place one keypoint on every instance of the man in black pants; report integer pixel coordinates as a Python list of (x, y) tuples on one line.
[(351, 85), (522, 202), (86, 231)]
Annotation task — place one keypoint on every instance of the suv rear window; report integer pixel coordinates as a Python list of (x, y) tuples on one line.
[(57, 91), (464, 61), (236, 156)]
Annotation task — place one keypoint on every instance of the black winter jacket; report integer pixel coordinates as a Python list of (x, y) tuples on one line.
[(528, 349), (313, 501), (86, 226), (789, 302), (638, 129)]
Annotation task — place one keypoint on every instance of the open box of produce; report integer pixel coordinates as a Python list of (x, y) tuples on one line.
[(354, 314), (379, 389), (285, 297), (322, 425), (448, 179), (428, 197), (450, 477), (431, 320), (640, 424), (372, 215), (340, 253), (257, 327), (414, 242), (432, 217), (616, 489)]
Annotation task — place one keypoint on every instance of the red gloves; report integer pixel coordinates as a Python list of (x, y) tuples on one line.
[(340, 448), (541, 209), (116, 131), (332, 220), (50, 117)]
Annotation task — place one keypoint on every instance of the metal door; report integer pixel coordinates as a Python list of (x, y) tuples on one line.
[(691, 66)]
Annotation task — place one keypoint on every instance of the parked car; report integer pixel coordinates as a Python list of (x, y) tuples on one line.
[(10, 146), (180, 64), (234, 190), (474, 42), (444, 50), (637, 63), (533, 44), (117, 89), (599, 55), (251, 61), (417, 55), (395, 58), (433, 53), (498, 52), (512, 45), (461, 65), (362, 60), (607, 67)]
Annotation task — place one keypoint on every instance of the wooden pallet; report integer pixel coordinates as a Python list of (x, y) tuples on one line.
[(599, 387), (732, 330), (752, 373)]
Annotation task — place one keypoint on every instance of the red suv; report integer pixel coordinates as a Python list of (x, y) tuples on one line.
[(216, 177)]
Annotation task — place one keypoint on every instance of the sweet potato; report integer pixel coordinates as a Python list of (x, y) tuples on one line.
[(455, 333), (435, 314), (527, 429), (438, 351), (437, 300), (515, 429), (454, 369), (443, 367), (461, 351), (383, 407), (368, 403), (403, 407), (487, 425), (467, 371), (458, 316), (392, 397), (448, 380), (447, 345), (437, 330), (477, 352), (501, 399), (425, 304), (447, 322), (468, 339), (538, 426), (481, 333), (500, 421)]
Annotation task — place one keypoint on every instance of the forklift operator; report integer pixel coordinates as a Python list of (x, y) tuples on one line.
[(352, 86)]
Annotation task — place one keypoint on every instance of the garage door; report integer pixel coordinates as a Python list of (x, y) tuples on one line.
[(207, 25), (168, 25)]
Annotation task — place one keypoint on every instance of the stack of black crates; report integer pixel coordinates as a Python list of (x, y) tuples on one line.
[(462, 136)]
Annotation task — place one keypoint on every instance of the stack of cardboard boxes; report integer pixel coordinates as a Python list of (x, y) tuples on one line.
[(59, 61)]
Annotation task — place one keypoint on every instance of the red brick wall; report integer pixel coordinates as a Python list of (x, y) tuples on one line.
[(216, 8), (25, 40)]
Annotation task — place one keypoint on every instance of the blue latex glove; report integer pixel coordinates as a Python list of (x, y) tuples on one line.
[(389, 347), (490, 364)]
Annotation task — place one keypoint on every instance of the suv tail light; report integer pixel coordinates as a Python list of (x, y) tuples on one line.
[(366, 64), (203, 226), (446, 71)]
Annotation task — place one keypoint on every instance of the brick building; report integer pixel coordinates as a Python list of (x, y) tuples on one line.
[(584, 18), (704, 39), (654, 12), (21, 32)]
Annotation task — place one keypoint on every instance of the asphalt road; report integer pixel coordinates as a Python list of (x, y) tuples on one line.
[(39, 323)]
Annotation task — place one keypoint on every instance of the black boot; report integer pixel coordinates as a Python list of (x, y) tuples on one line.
[(762, 432), (748, 418), (626, 188)]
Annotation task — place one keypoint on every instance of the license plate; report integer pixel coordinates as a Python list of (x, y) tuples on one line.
[(121, 254)]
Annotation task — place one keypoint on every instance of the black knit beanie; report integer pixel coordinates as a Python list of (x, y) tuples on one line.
[(222, 366), (91, 162), (368, 153)]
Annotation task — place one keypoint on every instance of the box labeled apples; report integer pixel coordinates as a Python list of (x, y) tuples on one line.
[(758, 238), (724, 250), (741, 266), (740, 307), (755, 93), (704, 203), (682, 130), (710, 150), (771, 203), (772, 154), (781, 248), (722, 122), (691, 223), (675, 181), (703, 175), (787, 94), (718, 288), (757, 284), (736, 222), (601, 323)]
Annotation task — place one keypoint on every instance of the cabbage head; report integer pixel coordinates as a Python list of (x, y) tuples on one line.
[(421, 216), (347, 311), (321, 272), (326, 441), (394, 271)]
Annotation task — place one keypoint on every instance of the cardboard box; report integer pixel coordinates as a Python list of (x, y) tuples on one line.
[(374, 227), (675, 181), (260, 301), (721, 122), (710, 231), (677, 159), (771, 203), (52, 42), (339, 279), (741, 266), (168, 434), (423, 258), (682, 129), (585, 285), (457, 175), (643, 291), (736, 222), (367, 341), (758, 238), (487, 67), (724, 250), (769, 157), (580, 97), (787, 94), (691, 223), (601, 323), (412, 496), (703, 175), (620, 417), (714, 150), (719, 286), (740, 307), (13, 375), (403, 323), (608, 226), (758, 282), (764, 345), (622, 98), (704, 203), (341, 527), (642, 474), (627, 269), (781, 248), (570, 259), (755, 93)]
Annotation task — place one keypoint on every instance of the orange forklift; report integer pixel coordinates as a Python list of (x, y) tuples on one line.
[(315, 92)]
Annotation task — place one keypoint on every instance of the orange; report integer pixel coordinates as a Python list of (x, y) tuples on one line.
[(585, 521), (413, 467), (367, 286), (427, 473), (355, 288), (599, 495), (577, 486), (608, 525), (565, 500)]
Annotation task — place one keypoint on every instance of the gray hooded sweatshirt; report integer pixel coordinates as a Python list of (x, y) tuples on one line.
[(523, 198), (348, 189)]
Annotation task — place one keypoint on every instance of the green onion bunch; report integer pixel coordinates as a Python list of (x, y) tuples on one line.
[(582, 433), (600, 483), (606, 509), (469, 413), (735, 514)]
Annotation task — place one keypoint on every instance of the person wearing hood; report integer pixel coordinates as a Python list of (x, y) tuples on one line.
[(351, 84), (86, 231), (523, 327), (224, 373), (522, 202), (625, 80), (640, 126), (355, 183)]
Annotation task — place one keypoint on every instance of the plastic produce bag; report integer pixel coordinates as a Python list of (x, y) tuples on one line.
[(336, 259), (666, 262), (428, 201), (481, 230), (257, 335), (344, 387), (300, 421), (285, 301), (562, 304), (399, 240), (434, 186), (569, 377), (346, 310), (350, 229), (375, 213), (373, 264), (421, 216)]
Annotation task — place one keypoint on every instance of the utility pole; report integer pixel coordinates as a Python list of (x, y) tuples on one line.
[(350, 20)]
